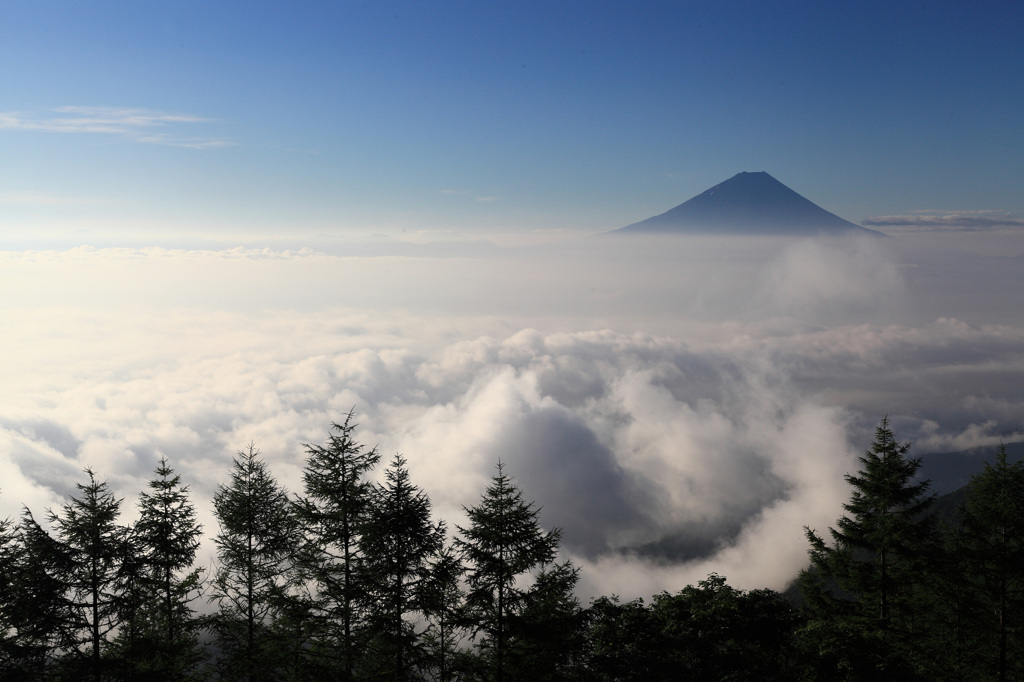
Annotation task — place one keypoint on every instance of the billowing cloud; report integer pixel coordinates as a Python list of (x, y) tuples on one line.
[(675, 409)]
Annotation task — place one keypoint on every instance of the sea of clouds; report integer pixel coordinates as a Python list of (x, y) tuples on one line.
[(676, 407)]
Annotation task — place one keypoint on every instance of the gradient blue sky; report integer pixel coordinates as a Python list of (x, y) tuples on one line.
[(241, 119), (714, 391)]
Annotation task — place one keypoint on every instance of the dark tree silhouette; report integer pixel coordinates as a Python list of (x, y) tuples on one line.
[(503, 541), (168, 535), (398, 542), (993, 551), (254, 547), (332, 513), (548, 637), (880, 559), (443, 602), (93, 547)]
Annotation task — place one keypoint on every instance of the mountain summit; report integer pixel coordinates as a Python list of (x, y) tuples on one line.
[(748, 203)]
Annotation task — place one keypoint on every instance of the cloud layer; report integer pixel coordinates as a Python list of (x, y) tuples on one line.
[(949, 220), (676, 410)]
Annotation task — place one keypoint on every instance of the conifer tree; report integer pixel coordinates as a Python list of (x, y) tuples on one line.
[(993, 552), (332, 513), (10, 554), (503, 541), (133, 648), (548, 638), (168, 534), (879, 559), (398, 541), (45, 623), (93, 544), (254, 548), (443, 602)]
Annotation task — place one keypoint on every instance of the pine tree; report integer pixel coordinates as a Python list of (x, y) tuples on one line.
[(503, 542), (168, 534), (443, 602), (993, 551), (398, 541), (46, 627), (961, 645), (549, 636), (332, 513), (132, 647), (94, 545), (10, 554), (254, 548), (879, 559)]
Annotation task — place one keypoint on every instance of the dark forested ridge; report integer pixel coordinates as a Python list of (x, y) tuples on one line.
[(354, 580)]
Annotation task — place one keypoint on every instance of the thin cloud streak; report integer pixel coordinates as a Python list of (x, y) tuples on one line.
[(44, 199), (948, 220), (133, 123)]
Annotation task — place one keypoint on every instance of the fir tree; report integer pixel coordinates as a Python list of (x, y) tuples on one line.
[(332, 513), (8, 559), (443, 602), (254, 548), (503, 542), (132, 648), (548, 638), (993, 551), (45, 624), (10, 554), (398, 541), (93, 545), (168, 535), (879, 559)]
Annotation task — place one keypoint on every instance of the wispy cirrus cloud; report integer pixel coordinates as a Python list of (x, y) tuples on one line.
[(948, 220), (141, 125), (44, 198)]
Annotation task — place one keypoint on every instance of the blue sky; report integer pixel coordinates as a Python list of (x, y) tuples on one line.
[(715, 391), (150, 120)]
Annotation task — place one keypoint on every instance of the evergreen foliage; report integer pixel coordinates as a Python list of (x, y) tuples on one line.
[(625, 644), (168, 534), (710, 631), (398, 541), (88, 560), (442, 600), (10, 551), (547, 640), (255, 546), (992, 550), (39, 608), (504, 541), (880, 559), (353, 581), (332, 514)]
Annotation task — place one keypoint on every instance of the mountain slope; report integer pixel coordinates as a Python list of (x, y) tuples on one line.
[(748, 203)]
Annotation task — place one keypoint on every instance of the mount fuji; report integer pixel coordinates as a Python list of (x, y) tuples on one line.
[(751, 204)]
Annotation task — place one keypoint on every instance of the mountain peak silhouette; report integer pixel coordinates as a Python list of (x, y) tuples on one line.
[(748, 203)]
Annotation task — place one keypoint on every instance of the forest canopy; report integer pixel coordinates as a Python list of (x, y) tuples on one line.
[(354, 579)]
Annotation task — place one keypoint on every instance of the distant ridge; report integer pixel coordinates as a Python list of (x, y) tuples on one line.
[(748, 203)]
